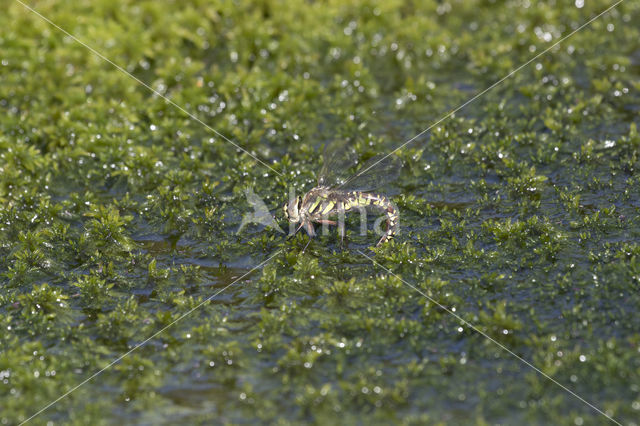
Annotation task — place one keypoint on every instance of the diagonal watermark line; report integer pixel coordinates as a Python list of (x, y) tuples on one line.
[(503, 347), (459, 107), (189, 312), (154, 91), (192, 116)]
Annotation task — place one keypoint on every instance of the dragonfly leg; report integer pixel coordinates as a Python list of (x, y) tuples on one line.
[(296, 231), (307, 245), (325, 221), (308, 226)]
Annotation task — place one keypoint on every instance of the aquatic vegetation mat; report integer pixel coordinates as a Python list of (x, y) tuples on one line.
[(119, 213)]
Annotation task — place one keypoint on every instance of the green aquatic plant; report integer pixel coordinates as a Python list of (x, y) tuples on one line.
[(119, 213)]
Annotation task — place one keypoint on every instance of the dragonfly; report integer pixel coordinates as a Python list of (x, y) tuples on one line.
[(337, 192)]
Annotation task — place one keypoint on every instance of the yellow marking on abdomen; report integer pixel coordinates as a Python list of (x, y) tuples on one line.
[(315, 204), (328, 207)]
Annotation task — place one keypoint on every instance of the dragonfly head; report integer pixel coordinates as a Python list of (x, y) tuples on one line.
[(292, 210)]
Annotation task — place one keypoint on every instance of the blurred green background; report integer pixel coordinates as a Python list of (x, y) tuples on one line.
[(118, 213)]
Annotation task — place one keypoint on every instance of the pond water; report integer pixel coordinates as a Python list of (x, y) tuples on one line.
[(119, 214)]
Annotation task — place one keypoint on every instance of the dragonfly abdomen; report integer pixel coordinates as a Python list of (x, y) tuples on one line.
[(347, 201), (363, 199)]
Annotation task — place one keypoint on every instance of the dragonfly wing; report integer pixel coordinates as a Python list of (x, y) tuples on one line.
[(374, 173), (338, 159)]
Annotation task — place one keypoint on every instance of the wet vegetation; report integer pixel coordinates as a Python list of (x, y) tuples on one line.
[(118, 213)]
